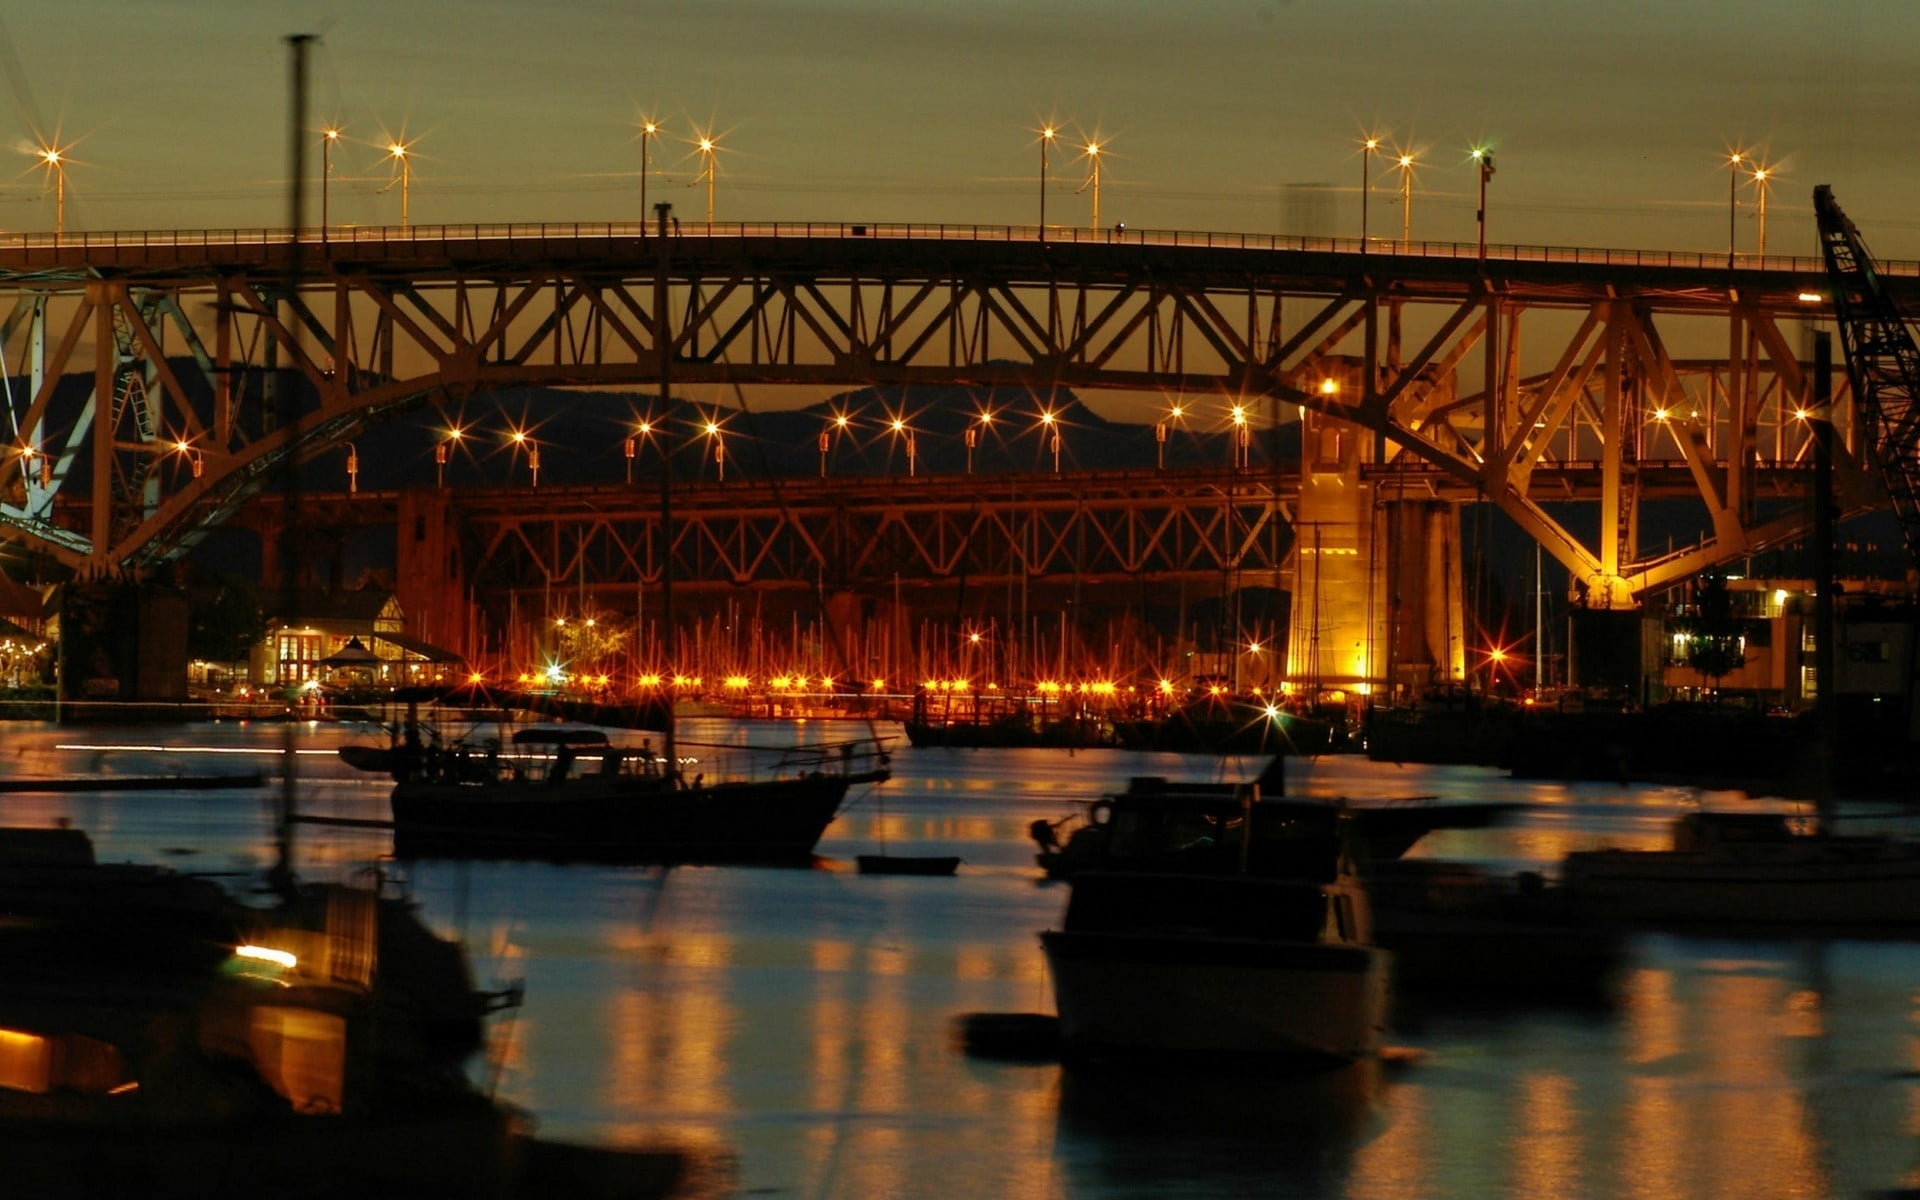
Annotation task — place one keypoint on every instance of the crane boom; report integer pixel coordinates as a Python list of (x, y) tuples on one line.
[(1883, 364)]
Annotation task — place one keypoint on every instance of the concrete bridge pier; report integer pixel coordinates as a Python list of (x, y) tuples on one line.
[(430, 580), (1377, 605)]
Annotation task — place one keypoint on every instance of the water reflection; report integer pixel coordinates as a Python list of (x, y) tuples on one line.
[(1124, 1133), (797, 1025)]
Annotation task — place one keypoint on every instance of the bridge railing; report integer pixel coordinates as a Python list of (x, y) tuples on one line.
[(45, 247)]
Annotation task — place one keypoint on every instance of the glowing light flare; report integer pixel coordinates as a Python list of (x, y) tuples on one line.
[(279, 958), (1329, 387)]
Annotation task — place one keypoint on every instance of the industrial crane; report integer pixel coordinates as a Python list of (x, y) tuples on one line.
[(1883, 365)]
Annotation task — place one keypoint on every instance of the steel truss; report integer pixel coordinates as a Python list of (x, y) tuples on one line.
[(194, 348)]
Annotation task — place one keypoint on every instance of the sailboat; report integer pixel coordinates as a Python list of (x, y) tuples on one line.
[(565, 792)]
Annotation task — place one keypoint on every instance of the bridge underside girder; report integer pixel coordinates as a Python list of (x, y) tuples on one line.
[(1509, 379)]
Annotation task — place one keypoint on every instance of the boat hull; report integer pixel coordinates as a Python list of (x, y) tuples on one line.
[(1817, 887), (1141, 996), (617, 820)]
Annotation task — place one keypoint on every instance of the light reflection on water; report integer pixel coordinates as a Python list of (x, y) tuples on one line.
[(800, 1022)]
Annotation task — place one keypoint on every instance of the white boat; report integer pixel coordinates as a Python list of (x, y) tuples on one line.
[(1220, 968), (1761, 870)]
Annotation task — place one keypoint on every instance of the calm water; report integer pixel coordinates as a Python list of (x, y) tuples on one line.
[(794, 1027)]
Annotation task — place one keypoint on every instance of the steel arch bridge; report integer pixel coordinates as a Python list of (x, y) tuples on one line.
[(212, 357)]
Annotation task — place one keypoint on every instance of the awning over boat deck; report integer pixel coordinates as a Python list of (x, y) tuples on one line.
[(414, 650)]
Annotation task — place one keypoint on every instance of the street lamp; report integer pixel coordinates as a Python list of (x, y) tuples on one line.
[(1483, 158), (648, 128), (398, 152), (1242, 437), (196, 461), (1093, 181), (442, 451), (830, 436), (1047, 135), (1367, 150), (712, 430), (328, 137), (631, 447), (983, 422), (54, 160), (1760, 177), (902, 429), (353, 470), (707, 149), (1048, 422), (1405, 164), (519, 438), (1733, 201)]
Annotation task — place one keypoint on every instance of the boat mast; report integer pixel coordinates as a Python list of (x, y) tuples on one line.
[(1825, 663), (280, 877), (663, 346)]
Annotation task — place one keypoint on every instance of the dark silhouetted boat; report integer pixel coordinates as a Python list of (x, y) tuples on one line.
[(1269, 960), (567, 793)]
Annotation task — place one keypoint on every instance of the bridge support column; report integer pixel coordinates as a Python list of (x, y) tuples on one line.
[(430, 570), (1335, 629), (1422, 596), (1377, 587)]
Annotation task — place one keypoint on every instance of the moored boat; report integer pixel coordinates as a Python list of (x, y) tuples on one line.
[(1221, 968), (1161, 824), (1754, 870), (567, 793)]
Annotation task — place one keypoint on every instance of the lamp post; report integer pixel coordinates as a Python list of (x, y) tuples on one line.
[(707, 148), (1405, 163), (1093, 181), (712, 430), (1046, 144), (1733, 201), (1048, 423), (648, 129), (1242, 437), (984, 421), (1367, 150), (519, 438), (397, 151), (1760, 177), (902, 430), (56, 162), (632, 445), (442, 451), (353, 470), (1483, 158), (1176, 412), (328, 137)]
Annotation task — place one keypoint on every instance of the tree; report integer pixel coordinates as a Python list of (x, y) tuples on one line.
[(1715, 643), (226, 627), (587, 642)]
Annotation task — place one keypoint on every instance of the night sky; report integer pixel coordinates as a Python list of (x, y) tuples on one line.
[(1611, 121)]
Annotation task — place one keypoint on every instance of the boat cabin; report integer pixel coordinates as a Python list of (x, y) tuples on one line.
[(1230, 906)]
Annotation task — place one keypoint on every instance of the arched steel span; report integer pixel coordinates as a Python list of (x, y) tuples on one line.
[(187, 337)]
